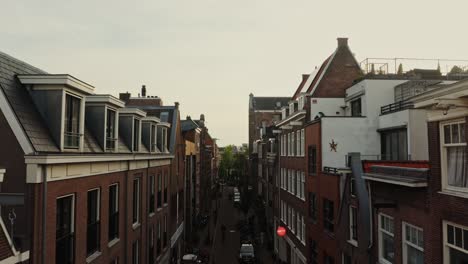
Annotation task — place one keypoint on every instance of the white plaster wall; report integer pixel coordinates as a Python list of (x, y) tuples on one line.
[(417, 134), (400, 118), (352, 134), (328, 106)]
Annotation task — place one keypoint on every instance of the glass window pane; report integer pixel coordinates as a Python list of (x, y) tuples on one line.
[(447, 134), (455, 137), (458, 237), (414, 256), (462, 133), (387, 247), (450, 239), (457, 166)]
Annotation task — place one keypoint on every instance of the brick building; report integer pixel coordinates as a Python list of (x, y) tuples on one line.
[(87, 179), (310, 193)]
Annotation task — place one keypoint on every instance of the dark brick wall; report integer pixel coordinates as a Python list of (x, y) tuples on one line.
[(127, 234)]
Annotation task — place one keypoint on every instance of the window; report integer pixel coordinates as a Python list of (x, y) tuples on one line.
[(113, 212), (312, 160), (328, 259), (136, 201), (152, 194), (353, 231), (453, 154), (386, 233), (298, 225), (356, 107), (313, 252), (136, 135), (166, 181), (151, 245), (303, 229), (64, 230), (289, 144), (302, 142), (298, 143), (159, 198), (328, 215), (93, 226), (313, 206), (158, 241), (302, 185), (72, 122), (413, 245), (153, 138), (165, 232), (135, 253), (456, 243), (110, 130), (296, 182), (289, 215), (394, 144), (293, 220)]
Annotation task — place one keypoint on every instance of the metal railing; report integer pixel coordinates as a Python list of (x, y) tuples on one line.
[(395, 107)]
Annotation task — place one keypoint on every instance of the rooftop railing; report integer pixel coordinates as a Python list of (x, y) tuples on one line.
[(395, 107)]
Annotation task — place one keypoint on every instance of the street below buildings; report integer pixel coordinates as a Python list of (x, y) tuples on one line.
[(226, 251)]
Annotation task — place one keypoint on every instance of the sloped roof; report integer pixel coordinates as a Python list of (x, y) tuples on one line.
[(188, 124), (269, 103), (22, 104)]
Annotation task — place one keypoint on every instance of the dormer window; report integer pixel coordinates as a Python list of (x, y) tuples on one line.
[(149, 133), (110, 130), (72, 122), (130, 127), (162, 137), (136, 134), (301, 102), (291, 108)]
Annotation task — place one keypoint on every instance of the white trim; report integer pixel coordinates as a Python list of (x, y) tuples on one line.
[(380, 230), (132, 111), (58, 159), (18, 258), (55, 79), (105, 99), (300, 113), (15, 125), (150, 119), (322, 73), (408, 184), (405, 243)]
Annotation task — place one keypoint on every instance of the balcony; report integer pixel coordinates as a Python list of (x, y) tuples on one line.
[(412, 174), (395, 107)]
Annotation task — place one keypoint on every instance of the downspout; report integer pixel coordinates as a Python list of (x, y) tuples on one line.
[(44, 206), (126, 214)]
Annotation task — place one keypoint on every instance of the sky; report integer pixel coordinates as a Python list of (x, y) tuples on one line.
[(209, 55)]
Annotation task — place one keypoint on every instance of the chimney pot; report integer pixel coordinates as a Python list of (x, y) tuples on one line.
[(342, 42), (304, 76), (143, 90)]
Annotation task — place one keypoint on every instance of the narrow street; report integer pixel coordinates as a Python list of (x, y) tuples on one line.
[(226, 252)]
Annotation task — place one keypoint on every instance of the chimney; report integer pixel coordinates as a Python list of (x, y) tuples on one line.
[(202, 117), (124, 96), (176, 105), (143, 90), (342, 42), (304, 77)]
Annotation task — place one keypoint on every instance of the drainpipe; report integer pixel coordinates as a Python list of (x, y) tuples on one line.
[(44, 210), (125, 242)]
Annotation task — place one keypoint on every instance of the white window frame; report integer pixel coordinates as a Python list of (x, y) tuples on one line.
[(298, 225), (303, 142), (138, 202), (293, 221), (352, 241), (303, 185), (443, 155), (380, 230), (289, 144), (406, 243), (72, 222), (298, 143), (303, 230), (446, 245)]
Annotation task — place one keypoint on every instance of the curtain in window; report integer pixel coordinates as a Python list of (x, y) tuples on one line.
[(457, 167)]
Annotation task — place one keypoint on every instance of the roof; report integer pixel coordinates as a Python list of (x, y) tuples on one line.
[(268, 103), (22, 104), (335, 75), (188, 124)]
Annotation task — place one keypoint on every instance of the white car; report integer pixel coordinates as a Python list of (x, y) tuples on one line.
[(246, 253)]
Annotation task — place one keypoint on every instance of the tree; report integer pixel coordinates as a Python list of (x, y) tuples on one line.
[(400, 69), (227, 161), (456, 70)]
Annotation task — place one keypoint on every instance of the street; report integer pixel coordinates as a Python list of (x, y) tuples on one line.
[(228, 251)]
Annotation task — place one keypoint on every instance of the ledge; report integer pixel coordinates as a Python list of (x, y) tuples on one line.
[(113, 242), (93, 257)]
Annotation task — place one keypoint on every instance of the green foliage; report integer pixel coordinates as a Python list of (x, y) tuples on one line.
[(400, 69), (455, 69)]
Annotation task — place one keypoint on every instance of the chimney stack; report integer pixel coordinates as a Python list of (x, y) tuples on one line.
[(304, 77), (342, 42), (143, 91), (202, 117), (124, 96), (176, 105)]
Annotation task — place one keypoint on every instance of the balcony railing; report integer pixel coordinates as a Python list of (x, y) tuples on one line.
[(331, 170), (395, 107)]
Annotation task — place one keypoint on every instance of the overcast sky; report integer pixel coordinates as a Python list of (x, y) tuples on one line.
[(209, 55)]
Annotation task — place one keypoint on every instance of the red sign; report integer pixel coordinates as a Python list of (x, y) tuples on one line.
[(281, 231)]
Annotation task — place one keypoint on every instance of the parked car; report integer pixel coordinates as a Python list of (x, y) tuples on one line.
[(190, 259), (246, 253)]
